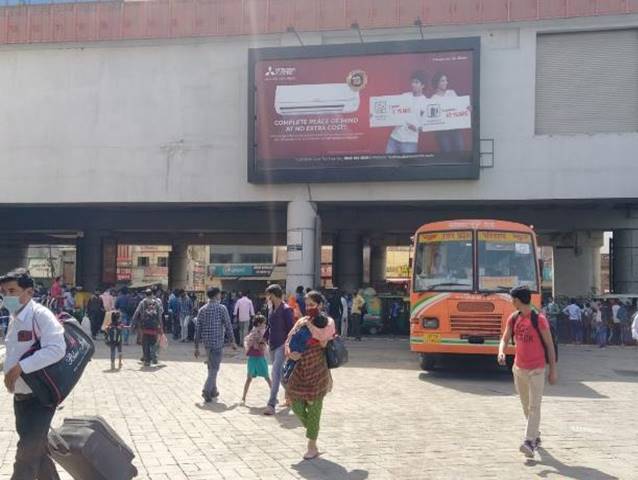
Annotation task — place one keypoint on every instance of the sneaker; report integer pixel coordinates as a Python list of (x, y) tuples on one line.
[(207, 397), (269, 410), (538, 442), (527, 449), (147, 364), (154, 361)]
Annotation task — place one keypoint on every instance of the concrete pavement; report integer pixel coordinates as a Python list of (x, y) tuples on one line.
[(385, 419)]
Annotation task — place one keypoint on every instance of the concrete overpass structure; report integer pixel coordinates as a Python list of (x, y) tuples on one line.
[(134, 127)]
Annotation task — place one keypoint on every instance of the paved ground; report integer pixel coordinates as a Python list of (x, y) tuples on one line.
[(384, 420)]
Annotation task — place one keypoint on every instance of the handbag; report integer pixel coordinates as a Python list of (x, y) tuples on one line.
[(336, 352), (52, 384), (86, 324)]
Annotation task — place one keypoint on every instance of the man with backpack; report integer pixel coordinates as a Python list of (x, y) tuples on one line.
[(534, 350), (147, 319)]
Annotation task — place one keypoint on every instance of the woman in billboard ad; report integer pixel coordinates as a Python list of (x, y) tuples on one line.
[(448, 140)]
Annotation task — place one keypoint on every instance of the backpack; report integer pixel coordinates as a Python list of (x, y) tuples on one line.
[(538, 330), (113, 336), (150, 315)]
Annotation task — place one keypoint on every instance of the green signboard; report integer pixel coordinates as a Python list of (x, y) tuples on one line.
[(236, 270)]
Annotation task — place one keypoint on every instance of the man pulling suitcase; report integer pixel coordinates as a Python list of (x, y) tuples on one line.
[(29, 322)]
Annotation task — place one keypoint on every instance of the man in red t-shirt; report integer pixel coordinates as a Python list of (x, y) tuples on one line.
[(529, 363)]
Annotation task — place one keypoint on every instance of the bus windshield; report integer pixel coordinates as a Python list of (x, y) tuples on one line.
[(443, 261), (506, 260)]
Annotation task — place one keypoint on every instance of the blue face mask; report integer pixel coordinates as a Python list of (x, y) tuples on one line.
[(12, 303)]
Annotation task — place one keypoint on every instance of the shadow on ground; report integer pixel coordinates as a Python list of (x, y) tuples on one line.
[(217, 407), (321, 469), (560, 470)]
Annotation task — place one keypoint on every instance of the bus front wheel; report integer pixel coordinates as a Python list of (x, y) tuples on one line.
[(427, 362)]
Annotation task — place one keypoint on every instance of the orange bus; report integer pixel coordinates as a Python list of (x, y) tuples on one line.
[(462, 271)]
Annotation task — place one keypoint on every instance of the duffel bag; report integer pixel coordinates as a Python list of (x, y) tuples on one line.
[(53, 384)]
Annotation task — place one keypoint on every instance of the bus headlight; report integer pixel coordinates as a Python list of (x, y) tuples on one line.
[(430, 323)]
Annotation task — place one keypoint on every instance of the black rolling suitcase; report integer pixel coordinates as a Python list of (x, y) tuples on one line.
[(89, 449)]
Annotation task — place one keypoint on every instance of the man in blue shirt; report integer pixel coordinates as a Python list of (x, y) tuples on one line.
[(213, 324), (280, 322), (123, 305)]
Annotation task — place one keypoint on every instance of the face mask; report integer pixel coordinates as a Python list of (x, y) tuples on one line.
[(312, 311), (12, 303)]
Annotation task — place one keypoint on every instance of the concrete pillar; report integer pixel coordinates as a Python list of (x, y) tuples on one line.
[(302, 261), (178, 262), (625, 261), (12, 256), (577, 264), (348, 262), (89, 260), (378, 260)]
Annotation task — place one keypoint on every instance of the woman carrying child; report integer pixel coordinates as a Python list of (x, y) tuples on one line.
[(255, 347), (309, 379)]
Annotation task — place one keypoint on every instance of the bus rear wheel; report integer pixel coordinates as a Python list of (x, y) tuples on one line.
[(427, 362)]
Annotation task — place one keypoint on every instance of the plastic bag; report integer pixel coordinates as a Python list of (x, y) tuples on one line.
[(86, 325), (163, 341)]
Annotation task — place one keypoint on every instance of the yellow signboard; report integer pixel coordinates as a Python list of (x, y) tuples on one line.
[(495, 283), (505, 237), (438, 237), (432, 338)]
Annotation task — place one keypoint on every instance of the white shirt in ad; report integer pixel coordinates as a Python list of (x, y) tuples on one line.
[(39, 319), (402, 133)]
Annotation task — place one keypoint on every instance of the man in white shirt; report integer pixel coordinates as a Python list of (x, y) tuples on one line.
[(575, 315), (404, 139), (244, 312), (29, 322)]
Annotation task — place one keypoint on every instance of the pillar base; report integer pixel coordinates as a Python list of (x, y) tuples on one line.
[(349, 261), (303, 245), (625, 261)]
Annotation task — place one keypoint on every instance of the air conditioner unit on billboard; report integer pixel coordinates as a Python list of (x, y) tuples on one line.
[(318, 99)]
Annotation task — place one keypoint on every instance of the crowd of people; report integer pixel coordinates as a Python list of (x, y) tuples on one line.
[(294, 332), (597, 322)]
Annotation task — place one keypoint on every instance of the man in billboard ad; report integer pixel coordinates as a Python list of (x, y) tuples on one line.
[(405, 137), (327, 115)]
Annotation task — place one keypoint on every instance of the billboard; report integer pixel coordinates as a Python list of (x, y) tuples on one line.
[(364, 112)]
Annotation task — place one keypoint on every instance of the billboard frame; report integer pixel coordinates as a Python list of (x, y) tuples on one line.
[(447, 171)]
